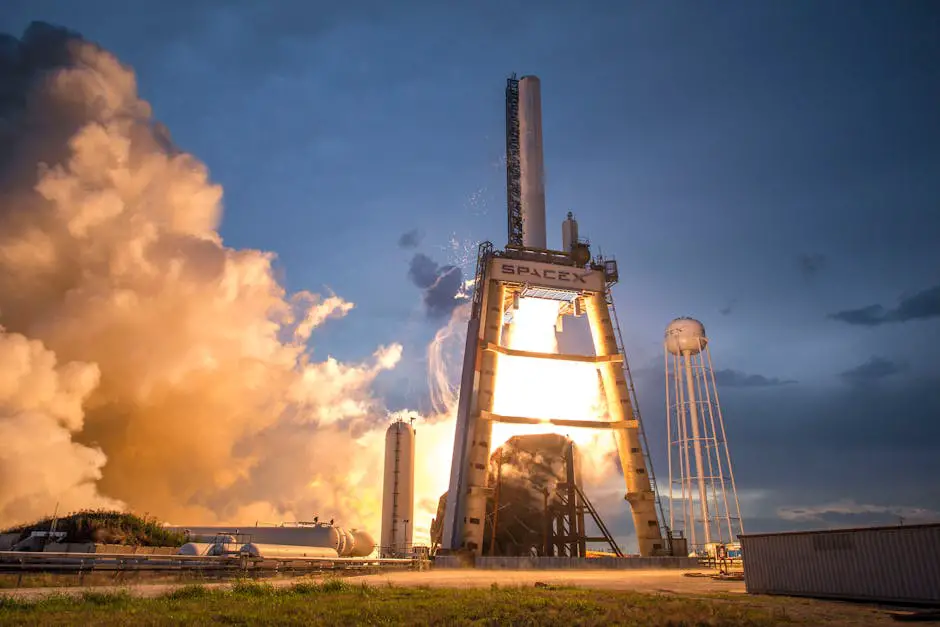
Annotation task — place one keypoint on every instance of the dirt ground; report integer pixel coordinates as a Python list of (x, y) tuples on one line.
[(649, 581), (670, 581)]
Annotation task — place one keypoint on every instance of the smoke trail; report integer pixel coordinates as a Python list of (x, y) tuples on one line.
[(445, 360), (141, 359)]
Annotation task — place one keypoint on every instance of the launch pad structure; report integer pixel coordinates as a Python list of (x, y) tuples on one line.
[(581, 285)]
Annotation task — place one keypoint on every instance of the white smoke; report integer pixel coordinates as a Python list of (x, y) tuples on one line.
[(143, 361), (40, 408), (445, 361)]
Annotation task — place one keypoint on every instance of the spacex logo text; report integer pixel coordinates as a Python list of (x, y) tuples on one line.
[(555, 275)]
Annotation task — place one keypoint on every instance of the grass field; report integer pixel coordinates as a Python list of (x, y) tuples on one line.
[(335, 602)]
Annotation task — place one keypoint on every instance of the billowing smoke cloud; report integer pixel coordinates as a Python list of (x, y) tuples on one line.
[(142, 361), (40, 408), (444, 287)]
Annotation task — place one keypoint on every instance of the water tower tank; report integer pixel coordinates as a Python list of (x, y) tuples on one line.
[(398, 490), (685, 335)]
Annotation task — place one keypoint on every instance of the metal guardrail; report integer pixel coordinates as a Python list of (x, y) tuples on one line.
[(27, 561), (724, 565)]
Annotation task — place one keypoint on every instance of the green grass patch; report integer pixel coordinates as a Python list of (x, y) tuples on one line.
[(107, 527), (336, 602)]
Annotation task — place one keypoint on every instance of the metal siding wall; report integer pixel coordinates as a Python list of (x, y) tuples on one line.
[(898, 564)]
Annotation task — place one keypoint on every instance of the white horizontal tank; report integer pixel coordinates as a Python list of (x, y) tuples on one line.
[(685, 336), (200, 548), (346, 542), (286, 551)]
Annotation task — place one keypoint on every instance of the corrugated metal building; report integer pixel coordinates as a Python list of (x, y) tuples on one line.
[(883, 564)]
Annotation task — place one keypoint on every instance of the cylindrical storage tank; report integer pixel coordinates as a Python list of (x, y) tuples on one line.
[(302, 535), (344, 541), (397, 492), (211, 538), (286, 551), (199, 548), (685, 336), (531, 163), (362, 543), (569, 233)]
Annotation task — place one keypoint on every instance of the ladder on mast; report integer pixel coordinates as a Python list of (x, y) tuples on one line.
[(395, 480), (513, 163)]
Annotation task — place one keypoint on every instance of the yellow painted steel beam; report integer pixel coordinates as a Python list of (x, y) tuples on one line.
[(560, 422), (589, 359)]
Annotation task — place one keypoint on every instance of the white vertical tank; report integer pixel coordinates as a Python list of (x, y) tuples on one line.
[(531, 163), (398, 491), (569, 233)]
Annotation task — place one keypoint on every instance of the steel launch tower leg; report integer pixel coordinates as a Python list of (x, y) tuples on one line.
[(639, 489), (466, 497), (478, 457)]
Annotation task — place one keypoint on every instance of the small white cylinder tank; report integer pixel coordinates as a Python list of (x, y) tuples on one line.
[(685, 336), (569, 233), (398, 490)]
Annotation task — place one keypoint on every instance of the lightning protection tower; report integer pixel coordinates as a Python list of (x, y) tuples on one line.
[(703, 500)]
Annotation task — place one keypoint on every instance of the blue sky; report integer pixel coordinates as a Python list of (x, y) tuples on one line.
[(760, 166)]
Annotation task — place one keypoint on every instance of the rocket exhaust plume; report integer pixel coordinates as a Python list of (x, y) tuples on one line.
[(142, 362)]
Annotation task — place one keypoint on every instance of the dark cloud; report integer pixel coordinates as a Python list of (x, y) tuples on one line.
[(422, 271), (812, 264), (411, 239), (874, 369), (442, 285), (736, 379), (850, 513), (922, 305)]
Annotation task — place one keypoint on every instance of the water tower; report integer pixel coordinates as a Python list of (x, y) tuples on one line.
[(703, 500)]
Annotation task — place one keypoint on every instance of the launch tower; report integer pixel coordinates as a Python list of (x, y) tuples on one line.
[(526, 268), (703, 499)]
